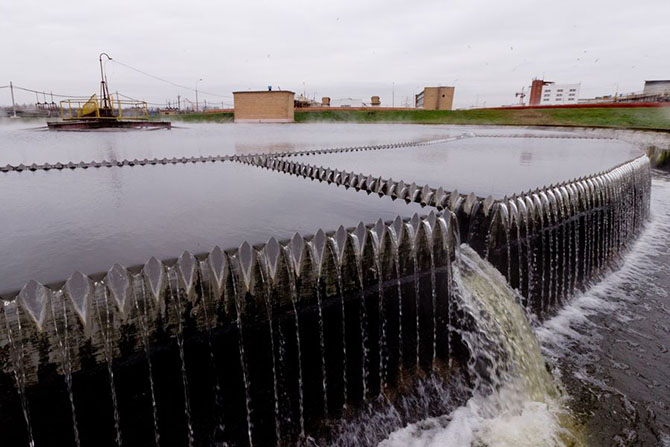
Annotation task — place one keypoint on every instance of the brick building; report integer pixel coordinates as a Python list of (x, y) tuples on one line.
[(536, 91), (265, 106), (435, 98)]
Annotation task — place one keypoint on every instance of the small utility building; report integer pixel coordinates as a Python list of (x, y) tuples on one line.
[(264, 106), (435, 98)]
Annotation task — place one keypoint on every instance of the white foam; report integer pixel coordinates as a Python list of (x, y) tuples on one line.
[(527, 423)]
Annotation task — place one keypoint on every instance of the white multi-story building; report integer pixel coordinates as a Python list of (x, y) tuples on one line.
[(558, 94)]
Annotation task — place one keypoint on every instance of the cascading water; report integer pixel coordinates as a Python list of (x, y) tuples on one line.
[(301, 388), (107, 345), (174, 295), (299, 339), (610, 344), (515, 400), (66, 363), (275, 381), (16, 353), (144, 333), (219, 425), (243, 359)]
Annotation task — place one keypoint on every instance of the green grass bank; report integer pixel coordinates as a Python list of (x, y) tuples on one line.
[(617, 117)]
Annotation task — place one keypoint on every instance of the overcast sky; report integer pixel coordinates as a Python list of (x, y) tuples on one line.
[(487, 49)]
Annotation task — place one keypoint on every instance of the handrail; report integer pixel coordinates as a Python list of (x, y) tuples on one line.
[(72, 109)]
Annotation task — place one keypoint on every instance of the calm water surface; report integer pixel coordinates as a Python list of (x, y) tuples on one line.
[(486, 166), (56, 222), (28, 142)]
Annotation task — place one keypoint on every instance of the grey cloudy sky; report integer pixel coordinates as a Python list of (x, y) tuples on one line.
[(488, 49)]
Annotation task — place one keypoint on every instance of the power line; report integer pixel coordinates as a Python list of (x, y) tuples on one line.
[(169, 82), (138, 100), (155, 103), (48, 93), (25, 89)]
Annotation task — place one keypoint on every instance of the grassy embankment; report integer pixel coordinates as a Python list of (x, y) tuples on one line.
[(642, 117), (224, 117)]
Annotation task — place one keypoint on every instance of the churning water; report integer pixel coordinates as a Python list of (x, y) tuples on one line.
[(515, 399), (607, 351), (610, 345)]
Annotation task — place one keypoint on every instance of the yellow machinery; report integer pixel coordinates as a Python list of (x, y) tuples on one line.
[(103, 107), (94, 108), (103, 112)]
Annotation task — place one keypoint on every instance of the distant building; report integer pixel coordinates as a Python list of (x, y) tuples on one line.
[(375, 101), (548, 93), (265, 106), (656, 88), (536, 91), (598, 99), (347, 102), (559, 94), (435, 98), (302, 101), (654, 91)]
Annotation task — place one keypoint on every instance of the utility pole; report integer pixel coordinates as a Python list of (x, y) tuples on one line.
[(393, 95), (196, 95), (11, 87), (178, 102)]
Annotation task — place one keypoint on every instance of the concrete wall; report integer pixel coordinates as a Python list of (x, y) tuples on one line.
[(264, 106)]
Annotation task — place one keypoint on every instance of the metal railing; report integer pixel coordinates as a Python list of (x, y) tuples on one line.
[(93, 108)]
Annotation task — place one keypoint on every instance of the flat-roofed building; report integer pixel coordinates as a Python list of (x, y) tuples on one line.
[(435, 98), (657, 87), (556, 94), (264, 106)]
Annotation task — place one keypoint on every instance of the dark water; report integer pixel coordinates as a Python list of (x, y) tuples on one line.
[(486, 166), (610, 346)]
